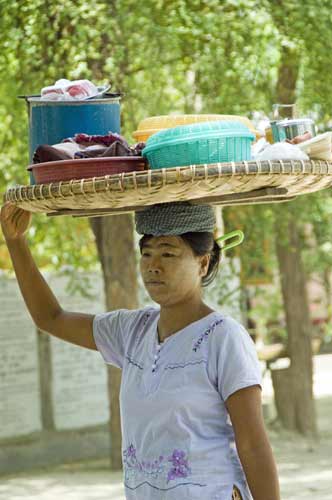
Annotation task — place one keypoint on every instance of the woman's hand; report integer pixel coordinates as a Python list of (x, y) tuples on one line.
[(14, 221)]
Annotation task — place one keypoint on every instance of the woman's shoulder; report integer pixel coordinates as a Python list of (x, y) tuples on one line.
[(227, 322), (230, 323), (229, 329), (149, 312)]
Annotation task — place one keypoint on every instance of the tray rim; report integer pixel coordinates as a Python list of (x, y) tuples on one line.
[(316, 175), (234, 170)]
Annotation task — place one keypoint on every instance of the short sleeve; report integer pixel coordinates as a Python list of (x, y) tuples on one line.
[(112, 332), (233, 361)]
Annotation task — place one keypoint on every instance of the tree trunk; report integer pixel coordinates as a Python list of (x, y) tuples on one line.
[(287, 77), (45, 380), (281, 379), (328, 294), (116, 249), (294, 388), (295, 406)]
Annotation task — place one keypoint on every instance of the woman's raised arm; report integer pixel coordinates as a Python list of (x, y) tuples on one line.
[(43, 306)]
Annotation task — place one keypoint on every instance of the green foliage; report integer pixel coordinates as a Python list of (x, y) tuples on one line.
[(166, 56), (318, 244), (257, 251), (266, 313)]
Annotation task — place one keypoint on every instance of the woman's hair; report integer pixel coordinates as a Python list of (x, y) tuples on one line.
[(201, 244)]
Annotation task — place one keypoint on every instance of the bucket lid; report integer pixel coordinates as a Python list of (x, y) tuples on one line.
[(296, 121), (197, 131), (110, 96)]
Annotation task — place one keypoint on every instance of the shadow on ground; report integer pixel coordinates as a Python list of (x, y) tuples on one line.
[(305, 470)]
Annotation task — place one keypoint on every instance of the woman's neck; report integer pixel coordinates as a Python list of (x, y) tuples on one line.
[(175, 318)]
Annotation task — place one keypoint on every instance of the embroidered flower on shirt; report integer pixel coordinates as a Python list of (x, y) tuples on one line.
[(133, 465), (205, 335), (156, 468), (131, 451), (180, 466)]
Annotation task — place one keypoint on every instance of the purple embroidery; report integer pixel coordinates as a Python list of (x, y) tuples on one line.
[(205, 335), (183, 365), (140, 336), (131, 452), (146, 317), (179, 467), (163, 489), (131, 361), (133, 464)]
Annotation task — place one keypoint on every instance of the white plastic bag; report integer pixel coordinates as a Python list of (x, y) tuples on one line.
[(281, 151), (66, 90), (258, 147)]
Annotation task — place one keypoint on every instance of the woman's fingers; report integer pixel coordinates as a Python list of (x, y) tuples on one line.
[(9, 210), (22, 220), (14, 220)]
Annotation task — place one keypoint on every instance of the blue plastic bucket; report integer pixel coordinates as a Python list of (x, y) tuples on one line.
[(52, 121)]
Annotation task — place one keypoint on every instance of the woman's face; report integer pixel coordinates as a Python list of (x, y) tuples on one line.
[(170, 271)]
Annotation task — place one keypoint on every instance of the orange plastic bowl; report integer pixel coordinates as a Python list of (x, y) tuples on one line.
[(154, 124)]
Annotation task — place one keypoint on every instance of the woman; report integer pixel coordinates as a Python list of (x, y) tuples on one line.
[(190, 397)]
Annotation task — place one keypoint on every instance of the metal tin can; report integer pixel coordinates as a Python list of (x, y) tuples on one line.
[(288, 129), (275, 131)]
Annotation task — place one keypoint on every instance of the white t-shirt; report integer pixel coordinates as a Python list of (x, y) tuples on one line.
[(177, 437)]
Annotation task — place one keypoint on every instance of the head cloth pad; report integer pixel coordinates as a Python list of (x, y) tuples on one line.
[(174, 219)]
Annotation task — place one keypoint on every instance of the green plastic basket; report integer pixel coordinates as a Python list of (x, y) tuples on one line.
[(199, 143)]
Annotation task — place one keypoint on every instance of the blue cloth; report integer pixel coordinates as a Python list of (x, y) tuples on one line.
[(177, 437)]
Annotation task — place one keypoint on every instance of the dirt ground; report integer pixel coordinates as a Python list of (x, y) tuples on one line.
[(305, 467)]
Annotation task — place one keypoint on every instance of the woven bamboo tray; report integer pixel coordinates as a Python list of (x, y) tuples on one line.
[(224, 184)]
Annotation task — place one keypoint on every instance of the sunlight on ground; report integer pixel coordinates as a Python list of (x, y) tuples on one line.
[(304, 466), (83, 485)]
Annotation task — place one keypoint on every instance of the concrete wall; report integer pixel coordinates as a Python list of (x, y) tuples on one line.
[(53, 395)]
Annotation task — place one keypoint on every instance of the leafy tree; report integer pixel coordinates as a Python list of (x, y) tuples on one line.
[(205, 56)]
